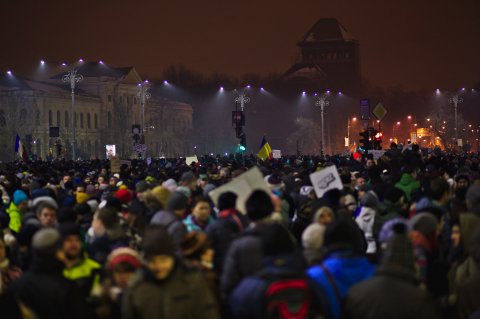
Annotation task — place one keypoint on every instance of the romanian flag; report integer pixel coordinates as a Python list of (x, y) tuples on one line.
[(20, 149), (265, 150)]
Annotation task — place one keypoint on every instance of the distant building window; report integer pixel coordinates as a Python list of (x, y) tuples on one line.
[(23, 117), (109, 98), (3, 122), (88, 121), (81, 120), (66, 119), (109, 120), (49, 117), (58, 118), (95, 121)]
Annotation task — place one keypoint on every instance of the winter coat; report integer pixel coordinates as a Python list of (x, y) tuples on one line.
[(365, 222), (389, 294), (184, 294), (192, 225), (407, 184), (222, 231), (332, 279), (100, 247), (48, 294), (174, 227), (244, 258), (468, 296), (86, 274), (15, 217)]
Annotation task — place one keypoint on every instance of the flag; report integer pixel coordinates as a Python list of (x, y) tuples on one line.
[(265, 150), (17, 143)]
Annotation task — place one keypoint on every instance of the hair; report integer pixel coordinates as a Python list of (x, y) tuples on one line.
[(438, 187), (200, 199), (108, 216), (320, 211), (44, 205), (152, 202)]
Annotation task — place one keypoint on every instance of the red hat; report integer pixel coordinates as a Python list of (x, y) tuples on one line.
[(124, 195), (123, 255), (356, 155)]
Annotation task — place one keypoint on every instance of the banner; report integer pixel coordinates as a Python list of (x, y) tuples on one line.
[(190, 159), (325, 180)]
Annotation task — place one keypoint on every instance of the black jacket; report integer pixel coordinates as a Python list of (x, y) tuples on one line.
[(48, 294), (389, 294)]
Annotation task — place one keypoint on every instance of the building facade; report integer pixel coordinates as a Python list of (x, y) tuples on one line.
[(107, 107)]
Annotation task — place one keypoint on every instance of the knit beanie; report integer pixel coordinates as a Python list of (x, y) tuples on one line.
[(343, 233), (123, 255), (312, 236), (90, 190), (141, 187), (82, 197), (124, 195), (162, 194), (46, 242), (369, 199), (19, 196), (227, 200), (187, 177), (259, 205), (44, 199), (157, 241), (69, 229), (399, 250), (425, 223), (170, 184), (387, 229), (177, 201)]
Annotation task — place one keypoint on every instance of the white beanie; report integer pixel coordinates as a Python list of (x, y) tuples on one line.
[(312, 237)]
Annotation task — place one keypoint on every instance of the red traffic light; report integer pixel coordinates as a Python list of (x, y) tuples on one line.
[(378, 135)]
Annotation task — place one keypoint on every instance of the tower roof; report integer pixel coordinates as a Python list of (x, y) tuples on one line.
[(328, 29)]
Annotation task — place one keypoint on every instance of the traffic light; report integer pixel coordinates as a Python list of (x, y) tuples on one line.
[(377, 145), (243, 142), (364, 142)]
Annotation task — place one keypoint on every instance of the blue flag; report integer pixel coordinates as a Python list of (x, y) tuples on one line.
[(17, 143)]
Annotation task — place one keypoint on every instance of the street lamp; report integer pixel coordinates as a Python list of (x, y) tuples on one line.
[(144, 95), (455, 100), (242, 98), (73, 78), (322, 102), (393, 129)]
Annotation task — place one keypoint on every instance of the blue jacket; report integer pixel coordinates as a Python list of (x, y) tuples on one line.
[(345, 270)]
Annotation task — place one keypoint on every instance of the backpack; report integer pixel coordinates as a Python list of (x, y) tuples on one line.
[(289, 299)]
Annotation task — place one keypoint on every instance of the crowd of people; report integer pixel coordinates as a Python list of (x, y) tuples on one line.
[(400, 240)]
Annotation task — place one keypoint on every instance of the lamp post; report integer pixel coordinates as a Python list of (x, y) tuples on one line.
[(354, 119), (242, 98), (144, 95), (455, 100), (322, 102), (73, 78)]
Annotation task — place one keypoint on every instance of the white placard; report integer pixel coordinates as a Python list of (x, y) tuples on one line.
[(111, 151), (243, 186), (325, 180), (376, 153), (190, 159), (276, 153)]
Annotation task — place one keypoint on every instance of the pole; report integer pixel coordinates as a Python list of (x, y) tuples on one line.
[(322, 107), (74, 144), (455, 103), (348, 132)]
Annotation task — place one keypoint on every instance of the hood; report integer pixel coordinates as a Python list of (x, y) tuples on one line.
[(349, 271), (468, 224), (163, 218), (406, 179)]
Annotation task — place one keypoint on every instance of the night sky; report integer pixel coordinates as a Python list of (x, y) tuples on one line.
[(414, 43)]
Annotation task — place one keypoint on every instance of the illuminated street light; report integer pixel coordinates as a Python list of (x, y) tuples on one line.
[(455, 100), (73, 78), (322, 102)]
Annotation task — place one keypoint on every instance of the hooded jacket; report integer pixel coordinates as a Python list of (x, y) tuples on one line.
[(184, 294), (15, 217), (332, 279), (365, 221), (407, 184)]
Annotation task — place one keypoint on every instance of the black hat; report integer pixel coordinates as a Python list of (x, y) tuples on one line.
[(68, 229), (177, 201), (157, 241), (276, 240), (142, 186), (343, 233), (187, 177), (227, 200), (259, 205)]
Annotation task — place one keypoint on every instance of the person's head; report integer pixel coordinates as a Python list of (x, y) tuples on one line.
[(312, 237), (462, 182), (104, 219), (439, 190), (101, 180), (122, 263), (324, 215), (80, 188), (456, 236), (359, 181), (370, 163), (201, 209), (276, 240), (259, 206), (159, 252), (72, 240), (344, 234), (202, 180), (196, 246), (141, 188), (47, 214), (227, 200), (473, 197), (20, 200), (47, 244), (66, 178), (178, 203), (189, 180)]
